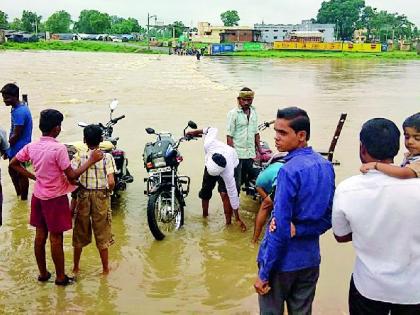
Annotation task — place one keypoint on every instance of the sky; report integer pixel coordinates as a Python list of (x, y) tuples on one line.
[(193, 11)]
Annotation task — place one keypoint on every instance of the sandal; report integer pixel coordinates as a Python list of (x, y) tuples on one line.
[(45, 278), (67, 280)]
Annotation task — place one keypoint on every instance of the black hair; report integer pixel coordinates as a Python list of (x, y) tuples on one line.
[(219, 159), (246, 89), (49, 119), (381, 138), (413, 122), (92, 135), (10, 89), (298, 119)]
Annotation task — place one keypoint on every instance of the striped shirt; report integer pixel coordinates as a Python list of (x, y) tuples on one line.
[(96, 176)]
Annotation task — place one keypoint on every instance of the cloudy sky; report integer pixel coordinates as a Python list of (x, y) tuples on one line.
[(193, 11)]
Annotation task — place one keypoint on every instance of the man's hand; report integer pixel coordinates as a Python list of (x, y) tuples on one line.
[(272, 227), (367, 166), (96, 156), (261, 287)]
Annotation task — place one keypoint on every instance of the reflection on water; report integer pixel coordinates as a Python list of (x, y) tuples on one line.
[(206, 267)]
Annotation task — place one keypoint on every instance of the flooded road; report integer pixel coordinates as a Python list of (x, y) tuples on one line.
[(206, 267)]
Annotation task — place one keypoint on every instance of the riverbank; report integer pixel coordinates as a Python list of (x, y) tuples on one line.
[(87, 46), (97, 46), (405, 55)]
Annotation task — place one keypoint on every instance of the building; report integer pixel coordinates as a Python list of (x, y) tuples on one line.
[(207, 33), (281, 32), (306, 36)]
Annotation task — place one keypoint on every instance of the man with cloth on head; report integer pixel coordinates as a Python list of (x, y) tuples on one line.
[(220, 163), (242, 134)]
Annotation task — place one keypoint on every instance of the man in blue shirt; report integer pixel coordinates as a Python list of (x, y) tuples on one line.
[(289, 266), (20, 134)]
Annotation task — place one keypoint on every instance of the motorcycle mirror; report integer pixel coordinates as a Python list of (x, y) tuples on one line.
[(82, 124), (150, 131), (192, 124), (113, 105)]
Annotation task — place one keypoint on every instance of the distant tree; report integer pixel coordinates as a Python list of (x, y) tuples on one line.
[(124, 26), (179, 28), (16, 25), (93, 22), (3, 20), (345, 14), (230, 18), (30, 21), (59, 22)]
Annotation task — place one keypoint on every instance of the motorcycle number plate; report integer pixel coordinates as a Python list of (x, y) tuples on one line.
[(160, 170)]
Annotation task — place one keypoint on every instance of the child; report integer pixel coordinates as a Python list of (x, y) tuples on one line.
[(50, 212), (93, 210), (410, 167)]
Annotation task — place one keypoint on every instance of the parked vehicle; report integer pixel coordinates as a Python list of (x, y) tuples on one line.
[(267, 157), (109, 145), (165, 188)]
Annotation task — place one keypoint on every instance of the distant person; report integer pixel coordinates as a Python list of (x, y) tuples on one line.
[(220, 163), (20, 134), (4, 145), (93, 210), (50, 211), (380, 215), (410, 168), (198, 54), (242, 134), (289, 265)]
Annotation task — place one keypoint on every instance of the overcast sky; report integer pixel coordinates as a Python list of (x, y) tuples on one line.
[(193, 11)]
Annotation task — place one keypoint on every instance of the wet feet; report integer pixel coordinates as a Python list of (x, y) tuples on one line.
[(66, 281), (44, 278)]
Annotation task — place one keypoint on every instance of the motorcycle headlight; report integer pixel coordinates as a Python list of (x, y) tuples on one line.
[(159, 162)]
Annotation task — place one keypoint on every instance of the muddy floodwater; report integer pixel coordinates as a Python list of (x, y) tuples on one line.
[(206, 267)]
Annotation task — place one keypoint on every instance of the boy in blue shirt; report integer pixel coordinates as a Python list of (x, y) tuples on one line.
[(20, 134)]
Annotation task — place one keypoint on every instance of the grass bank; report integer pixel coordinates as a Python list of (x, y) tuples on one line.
[(78, 46), (326, 54)]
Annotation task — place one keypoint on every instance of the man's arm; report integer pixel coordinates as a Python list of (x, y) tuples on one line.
[(17, 166), (17, 133), (277, 241), (72, 174), (258, 142), (111, 181)]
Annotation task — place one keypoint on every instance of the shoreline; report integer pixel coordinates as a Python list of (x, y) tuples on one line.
[(90, 46)]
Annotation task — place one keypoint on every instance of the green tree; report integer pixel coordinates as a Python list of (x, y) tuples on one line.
[(59, 22), (16, 25), (93, 22), (3, 20), (345, 14), (124, 26), (230, 18), (30, 21), (178, 27)]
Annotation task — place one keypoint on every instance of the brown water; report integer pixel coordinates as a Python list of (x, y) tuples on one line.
[(206, 267)]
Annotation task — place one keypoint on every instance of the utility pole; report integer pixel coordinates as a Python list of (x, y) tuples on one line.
[(148, 28)]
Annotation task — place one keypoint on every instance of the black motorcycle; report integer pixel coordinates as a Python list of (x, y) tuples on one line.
[(109, 145), (165, 188)]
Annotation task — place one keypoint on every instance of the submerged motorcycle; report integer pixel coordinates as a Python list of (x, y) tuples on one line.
[(165, 188), (109, 145)]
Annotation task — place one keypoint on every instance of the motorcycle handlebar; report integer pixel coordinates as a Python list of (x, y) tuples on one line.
[(115, 120)]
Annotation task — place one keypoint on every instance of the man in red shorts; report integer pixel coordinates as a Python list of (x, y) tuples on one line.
[(50, 211)]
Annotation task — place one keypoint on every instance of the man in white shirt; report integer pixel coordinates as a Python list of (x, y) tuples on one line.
[(381, 216), (220, 163)]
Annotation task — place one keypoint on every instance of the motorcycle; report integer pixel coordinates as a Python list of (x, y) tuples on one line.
[(266, 157), (165, 188), (109, 145)]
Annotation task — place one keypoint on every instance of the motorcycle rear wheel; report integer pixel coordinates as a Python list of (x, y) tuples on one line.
[(160, 218)]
